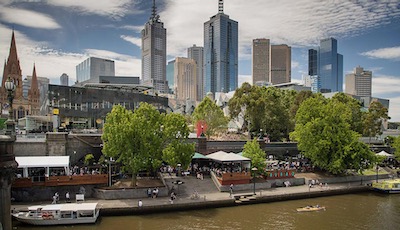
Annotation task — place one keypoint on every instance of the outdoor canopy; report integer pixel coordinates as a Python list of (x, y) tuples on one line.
[(384, 153), (222, 156), (43, 162)]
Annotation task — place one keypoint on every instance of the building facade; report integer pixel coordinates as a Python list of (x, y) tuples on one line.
[(260, 60), (22, 105), (281, 64), (271, 63), (154, 53), (94, 67), (359, 83), (185, 80), (220, 53), (196, 53), (170, 76), (328, 64), (64, 79)]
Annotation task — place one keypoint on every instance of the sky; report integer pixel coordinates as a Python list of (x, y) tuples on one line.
[(57, 35)]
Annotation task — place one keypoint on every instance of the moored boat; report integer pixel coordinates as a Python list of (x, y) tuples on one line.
[(387, 186), (59, 214), (311, 208)]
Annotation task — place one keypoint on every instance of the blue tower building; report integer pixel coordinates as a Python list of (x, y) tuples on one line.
[(220, 53), (327, 64)]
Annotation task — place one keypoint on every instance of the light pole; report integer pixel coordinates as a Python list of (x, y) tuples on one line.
[(254, 170), (377, 168), (109, 172), (10, 87)]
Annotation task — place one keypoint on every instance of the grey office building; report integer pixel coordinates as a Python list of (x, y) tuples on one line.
[(154, 53), (64, 79), (220, 53), (196, 53), (94, 67)]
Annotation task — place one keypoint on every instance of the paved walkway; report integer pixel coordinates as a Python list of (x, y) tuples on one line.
[(209, 197)]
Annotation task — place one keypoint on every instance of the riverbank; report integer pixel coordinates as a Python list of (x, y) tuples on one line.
[(216, 199)]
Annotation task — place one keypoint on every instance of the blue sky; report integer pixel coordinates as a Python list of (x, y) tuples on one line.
[(57, 35)]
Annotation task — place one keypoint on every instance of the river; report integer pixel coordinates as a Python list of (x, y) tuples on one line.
[(355, 211)]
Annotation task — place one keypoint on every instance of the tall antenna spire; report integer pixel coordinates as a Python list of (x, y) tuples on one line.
[(221, 6), (154, 11)]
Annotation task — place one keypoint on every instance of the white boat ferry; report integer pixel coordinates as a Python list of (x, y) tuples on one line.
[(56, 214)]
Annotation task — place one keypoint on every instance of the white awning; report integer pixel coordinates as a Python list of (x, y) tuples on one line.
[(227, 157), (42, 161)]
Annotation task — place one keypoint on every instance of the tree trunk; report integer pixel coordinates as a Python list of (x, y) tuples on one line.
[(134, 180)]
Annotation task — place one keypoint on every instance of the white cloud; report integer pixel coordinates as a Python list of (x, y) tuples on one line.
[(244, 78), (296, 23), (137, 29), (384, 53), (110, 8), (27, 18), (385, 85), (134, 40), (295, 64)]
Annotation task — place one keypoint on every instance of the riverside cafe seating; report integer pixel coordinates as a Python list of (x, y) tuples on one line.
[(231, 168), (50, 171)]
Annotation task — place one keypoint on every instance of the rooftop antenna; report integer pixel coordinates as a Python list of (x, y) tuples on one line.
[(221, 6), (154, 11)]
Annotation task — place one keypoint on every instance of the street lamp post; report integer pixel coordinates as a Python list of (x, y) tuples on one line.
[(254, 170), (377, 168), (10, 87), (109, 172)]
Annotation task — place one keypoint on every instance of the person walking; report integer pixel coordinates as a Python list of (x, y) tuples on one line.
[(67, 198), (140, 203), (231, 190)]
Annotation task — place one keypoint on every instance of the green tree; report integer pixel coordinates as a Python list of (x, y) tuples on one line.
[(354, 105), (137, 140), (257, 156), (176, 132), (265, 109), (324, 135), (89, 159), (212, 115), (373, 119), (396, 146)]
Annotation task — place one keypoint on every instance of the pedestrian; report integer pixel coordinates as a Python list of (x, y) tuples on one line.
[(172, 197), (231, 190), (140, 203), (149, 192), (67, 198), (57, 197), (54, 199)]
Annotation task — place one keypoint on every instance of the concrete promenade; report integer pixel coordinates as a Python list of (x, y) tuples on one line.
[(215, 199)]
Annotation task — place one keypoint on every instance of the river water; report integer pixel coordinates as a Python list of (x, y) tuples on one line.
[(355, 211)]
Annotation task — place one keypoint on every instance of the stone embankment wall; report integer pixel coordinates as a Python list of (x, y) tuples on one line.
[(34, 194), (127, 193)]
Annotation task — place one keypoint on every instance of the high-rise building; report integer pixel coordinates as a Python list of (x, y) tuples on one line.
[(261, 60), (170, 76), (154, 53), (329, 65), (22, 105), (220, 53), (196, 53), (359, 82), (94, 67), (64, 79), (271, 64), (281, 64), (185, 80)]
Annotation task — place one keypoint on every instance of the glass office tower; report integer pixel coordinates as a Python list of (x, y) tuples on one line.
[(220, 53)]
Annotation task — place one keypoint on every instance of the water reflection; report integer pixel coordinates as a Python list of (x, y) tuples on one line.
[(357, 211)]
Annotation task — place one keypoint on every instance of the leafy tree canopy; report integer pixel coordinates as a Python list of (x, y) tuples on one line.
[(396, 145), (324, 135), (373, 119), (137, 140), (253, 151), (212, 115)]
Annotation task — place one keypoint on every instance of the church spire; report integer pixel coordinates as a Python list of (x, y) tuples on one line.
[(13, 49), (34, 83), (34, 94), (12, 68)]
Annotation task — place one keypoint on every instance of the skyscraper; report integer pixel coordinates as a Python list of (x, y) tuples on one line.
[(185, 79), (170, 76), (261, 60), (64, 79), (220, 53), (154, 53), (329, 65), (196, 53), (281, 64), (271, 63), (94, 67), (359, 82)]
